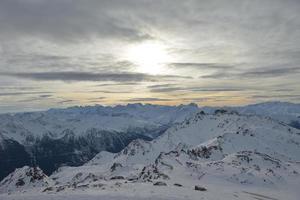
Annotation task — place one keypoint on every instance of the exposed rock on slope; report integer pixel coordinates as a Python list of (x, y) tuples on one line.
[(25, 178)]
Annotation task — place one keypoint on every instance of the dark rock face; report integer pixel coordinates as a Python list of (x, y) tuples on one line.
[(115, 166), (199, 188), (12, 155), (177, 184), (295, 124), (203, 151), (20, 182), (151, 172), (36, 174), (48, 189), (159, 183), (117, 178)]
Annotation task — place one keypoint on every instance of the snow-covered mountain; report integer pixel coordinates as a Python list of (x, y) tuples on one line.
[(205, 152), (286, 112), (204, 137), (25, 178), (22, 127), (220, 154), (74, 135)]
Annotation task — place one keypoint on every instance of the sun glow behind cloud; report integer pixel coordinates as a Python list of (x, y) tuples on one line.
[(149, 57)]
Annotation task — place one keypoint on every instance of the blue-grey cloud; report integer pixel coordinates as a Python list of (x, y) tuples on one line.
[(45, 96), (89, 76), (112, 91), (201, 66), (64, 20), (276, 96), (66, 101), (117, 84), (23, 93), (255, 73), (166, 88)]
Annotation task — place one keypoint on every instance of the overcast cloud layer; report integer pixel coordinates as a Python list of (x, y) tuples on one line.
[(57, 53)]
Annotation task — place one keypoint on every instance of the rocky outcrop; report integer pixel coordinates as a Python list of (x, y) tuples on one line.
[(25, 178)]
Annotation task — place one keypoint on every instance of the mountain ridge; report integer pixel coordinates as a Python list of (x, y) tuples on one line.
[(74, 135), (204, 151)]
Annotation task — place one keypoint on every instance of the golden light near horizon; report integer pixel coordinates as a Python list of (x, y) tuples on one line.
[(149, 57)]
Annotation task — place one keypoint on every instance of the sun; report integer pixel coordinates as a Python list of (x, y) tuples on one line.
[(149, 57)]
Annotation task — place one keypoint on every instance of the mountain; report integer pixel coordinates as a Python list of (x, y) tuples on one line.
[(286, 112), (282, 111), (223, 155), (25, 178), (12, 155), (212, 137), (74, 135)]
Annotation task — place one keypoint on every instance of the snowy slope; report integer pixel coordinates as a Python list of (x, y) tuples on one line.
[(236, 132), (224, 148), (286, 112)]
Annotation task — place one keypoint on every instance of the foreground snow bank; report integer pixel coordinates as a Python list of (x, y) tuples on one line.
[(143, 191)]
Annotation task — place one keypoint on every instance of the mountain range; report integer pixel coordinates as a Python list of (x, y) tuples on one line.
[(74, 135), (156, 152)]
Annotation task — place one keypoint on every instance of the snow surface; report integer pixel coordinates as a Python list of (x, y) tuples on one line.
[(144, 191)]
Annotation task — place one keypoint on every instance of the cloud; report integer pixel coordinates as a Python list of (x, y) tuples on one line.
[(201, 66), (64, 20), (147, 99), (117, 84), (22, 88), (161, 86), (283, 71), (36, 98), (166, 88), (89, 76), (218, 89), (45, 96), (210, 98), (198, 99), (255, 73), (22, 93), (66, 101), (15, 61), (111, 91), (97, 98), (275, 96), (35, 58)]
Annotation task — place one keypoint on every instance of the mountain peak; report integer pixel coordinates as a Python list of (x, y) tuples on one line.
[(25, 178)]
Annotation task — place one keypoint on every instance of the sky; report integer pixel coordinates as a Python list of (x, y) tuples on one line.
[(60, 53)]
